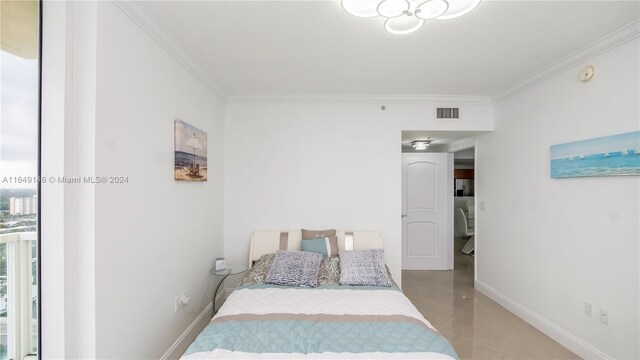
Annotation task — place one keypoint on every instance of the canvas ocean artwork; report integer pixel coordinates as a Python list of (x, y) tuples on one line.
[(604, 156)]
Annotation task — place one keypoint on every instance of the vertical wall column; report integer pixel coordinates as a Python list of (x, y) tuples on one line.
[(68, 209)]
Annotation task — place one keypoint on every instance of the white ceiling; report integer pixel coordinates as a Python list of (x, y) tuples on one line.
[(314, 47), (440, 139)]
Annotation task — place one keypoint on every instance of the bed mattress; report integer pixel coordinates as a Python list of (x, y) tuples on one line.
[(328, 322)]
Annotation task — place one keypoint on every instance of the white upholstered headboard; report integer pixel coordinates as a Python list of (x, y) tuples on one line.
[(269, 241)]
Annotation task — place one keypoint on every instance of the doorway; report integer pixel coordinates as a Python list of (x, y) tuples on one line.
[(464, 210), (425, 211), (431, 179)]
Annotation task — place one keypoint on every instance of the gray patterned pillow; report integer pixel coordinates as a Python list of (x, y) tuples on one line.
[(329, 273), (393, 283), (258, 273), (295, 268), (363, 267)]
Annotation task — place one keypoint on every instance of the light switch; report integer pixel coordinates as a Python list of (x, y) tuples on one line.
[(483, 205)]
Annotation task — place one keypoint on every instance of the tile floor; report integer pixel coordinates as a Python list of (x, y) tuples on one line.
[(477, 327)]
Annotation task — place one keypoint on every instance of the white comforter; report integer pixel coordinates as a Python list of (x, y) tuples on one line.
[(322, 323)]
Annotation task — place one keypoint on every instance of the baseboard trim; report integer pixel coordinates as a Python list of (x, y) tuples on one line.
[(186, 338), (552, 330)]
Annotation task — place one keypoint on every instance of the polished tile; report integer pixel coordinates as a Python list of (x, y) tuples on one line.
[(530, 343), (469, 349), (476, 326)]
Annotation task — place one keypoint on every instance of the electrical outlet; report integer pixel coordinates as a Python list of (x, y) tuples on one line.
[(604, 316), (182, 301), (588, 309), (185, 299)]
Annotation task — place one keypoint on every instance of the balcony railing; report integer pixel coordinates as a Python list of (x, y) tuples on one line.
[(18, 295)]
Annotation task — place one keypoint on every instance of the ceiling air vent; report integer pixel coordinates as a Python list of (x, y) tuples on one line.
[(448, 113)]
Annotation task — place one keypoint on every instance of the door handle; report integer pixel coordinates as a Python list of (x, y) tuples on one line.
[(404, 215)]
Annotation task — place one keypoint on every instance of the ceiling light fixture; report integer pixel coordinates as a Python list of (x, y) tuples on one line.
[(421, 145), (407, 16)]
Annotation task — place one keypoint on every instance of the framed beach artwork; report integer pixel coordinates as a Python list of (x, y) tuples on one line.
[(190, 152), (604, 156)]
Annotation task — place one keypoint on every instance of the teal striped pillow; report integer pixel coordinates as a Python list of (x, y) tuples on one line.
[(327, 246)]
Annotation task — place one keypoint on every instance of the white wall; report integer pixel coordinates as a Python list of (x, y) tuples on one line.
[(550, 245), (133, 247), (468, 154), (323, 164), (155, 237)]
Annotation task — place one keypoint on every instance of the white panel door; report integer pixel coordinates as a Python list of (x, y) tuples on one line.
[(425, 211)]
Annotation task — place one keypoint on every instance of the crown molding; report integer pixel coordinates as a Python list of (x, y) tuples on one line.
[(598, 47), (152, 27), (362, 98)]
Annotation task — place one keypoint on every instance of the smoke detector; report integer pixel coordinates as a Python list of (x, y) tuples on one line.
[(587, 73)]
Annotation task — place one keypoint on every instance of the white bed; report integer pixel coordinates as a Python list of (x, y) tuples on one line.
[(328, 322), (269, 241)]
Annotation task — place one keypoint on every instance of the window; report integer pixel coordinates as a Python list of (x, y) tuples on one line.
[(19, 188)]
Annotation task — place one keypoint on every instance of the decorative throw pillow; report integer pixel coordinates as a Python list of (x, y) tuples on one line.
[(327, 246), (314, 234), (393, 283), (295, 268), (363, 267), (258, 273), (329, 273)]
